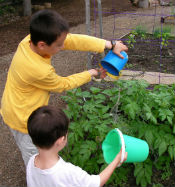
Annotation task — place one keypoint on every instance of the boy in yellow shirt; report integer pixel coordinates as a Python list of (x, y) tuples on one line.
[(31, 77)]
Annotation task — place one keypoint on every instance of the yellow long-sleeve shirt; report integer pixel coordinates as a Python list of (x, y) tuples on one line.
[(31, 78)]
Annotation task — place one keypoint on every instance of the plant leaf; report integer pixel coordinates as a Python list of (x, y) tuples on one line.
[(149, 136), (162, 148)]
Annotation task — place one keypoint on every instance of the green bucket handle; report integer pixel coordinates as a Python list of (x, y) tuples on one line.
[(123, 146)]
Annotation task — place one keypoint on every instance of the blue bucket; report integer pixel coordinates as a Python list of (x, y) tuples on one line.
[(113, 63)]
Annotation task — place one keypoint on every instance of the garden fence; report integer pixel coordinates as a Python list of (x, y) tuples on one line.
[(160, 18)]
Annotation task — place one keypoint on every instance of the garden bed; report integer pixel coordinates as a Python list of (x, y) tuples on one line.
[(140, 112), (150, 53), (150, 56), (147, 53)]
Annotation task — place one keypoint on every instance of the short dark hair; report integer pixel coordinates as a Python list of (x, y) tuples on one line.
[(47, 25), (46, 124)]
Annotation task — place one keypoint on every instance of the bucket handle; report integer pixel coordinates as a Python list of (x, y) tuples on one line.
[(123, 146)]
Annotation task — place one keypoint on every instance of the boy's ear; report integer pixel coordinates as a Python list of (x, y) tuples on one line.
[(60, 140), (41, 44)]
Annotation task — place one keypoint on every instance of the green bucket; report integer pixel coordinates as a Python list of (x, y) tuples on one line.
[(137, 149)]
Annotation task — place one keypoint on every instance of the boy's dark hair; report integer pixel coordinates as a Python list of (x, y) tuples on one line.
[(46, 25), (46, 124)]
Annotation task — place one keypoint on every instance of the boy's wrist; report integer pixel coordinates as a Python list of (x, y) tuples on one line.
[(99, 73), (93, 72), (117, 161), (108, 45), (113, 43)]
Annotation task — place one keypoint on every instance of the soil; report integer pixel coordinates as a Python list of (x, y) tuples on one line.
[(73, 11), (13, 28), (147, 55)]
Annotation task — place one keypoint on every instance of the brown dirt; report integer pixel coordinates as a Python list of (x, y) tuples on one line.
[(146, 55), (74, 11)]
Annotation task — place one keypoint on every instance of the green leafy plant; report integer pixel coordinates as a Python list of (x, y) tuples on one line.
[(129, 65), (163, 34), (141, 32), (131, 40), (143, 173), (158, 185), (138, 31), (144, 113), (7, 7), (172, 8), (163, 163)]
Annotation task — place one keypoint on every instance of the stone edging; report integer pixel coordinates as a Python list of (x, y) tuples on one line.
[(151, 77)]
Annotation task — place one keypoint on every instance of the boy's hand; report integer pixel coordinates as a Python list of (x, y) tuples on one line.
[(107, 172), (119, 47), (119, 157), (98, 73)]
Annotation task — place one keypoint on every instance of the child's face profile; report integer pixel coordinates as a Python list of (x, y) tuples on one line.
[(56, 46)]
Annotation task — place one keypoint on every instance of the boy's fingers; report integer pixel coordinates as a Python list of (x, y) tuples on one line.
[(126, 155), (101, 73), (121, 56)]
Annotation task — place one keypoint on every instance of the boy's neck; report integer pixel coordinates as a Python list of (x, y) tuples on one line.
[(46, 159), (36, 50)]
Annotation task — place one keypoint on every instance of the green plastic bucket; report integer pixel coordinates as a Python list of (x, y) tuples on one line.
[(137, 149)]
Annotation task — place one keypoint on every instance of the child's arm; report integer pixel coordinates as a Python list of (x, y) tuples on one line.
[(82, 42), (55, 83), (107, 172)]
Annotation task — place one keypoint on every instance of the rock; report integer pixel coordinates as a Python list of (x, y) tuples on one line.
[(153, 3), (143, 3), (164, 2), (47, 5)]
